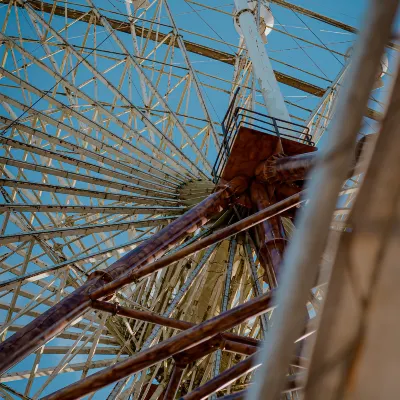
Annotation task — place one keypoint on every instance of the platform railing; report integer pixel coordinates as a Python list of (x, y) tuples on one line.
[(239, 116)]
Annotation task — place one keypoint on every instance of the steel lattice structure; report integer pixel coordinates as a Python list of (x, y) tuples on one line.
[(110, 126)]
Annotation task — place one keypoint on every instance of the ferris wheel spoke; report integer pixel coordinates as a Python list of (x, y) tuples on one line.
[(14, 183), (151, 87), (109, 209), (111, 118), (111, 149), (73, 176), (82, 230), (100, 76), (76, 162), (146, 173)]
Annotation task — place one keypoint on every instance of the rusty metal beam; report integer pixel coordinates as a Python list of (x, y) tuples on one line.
[(230, 375), (216, 237), (53, 321), (286, 169), (271, 231), (200, 350), (241, 348), (183, 341), (174, 381), (224, 379), (155, 318), (292, 386)]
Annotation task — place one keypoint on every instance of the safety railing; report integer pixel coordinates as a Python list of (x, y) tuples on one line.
[(235, 118)]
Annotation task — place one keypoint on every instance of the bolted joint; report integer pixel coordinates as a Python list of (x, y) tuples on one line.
[(232, 191), (237, 186), (103, 275), (116, 308), (240, 12), (266, 171), (112, 308)]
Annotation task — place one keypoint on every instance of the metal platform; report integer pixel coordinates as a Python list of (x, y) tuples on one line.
[(251, 137)]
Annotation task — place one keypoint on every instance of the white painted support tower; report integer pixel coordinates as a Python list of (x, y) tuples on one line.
[(262, 67)]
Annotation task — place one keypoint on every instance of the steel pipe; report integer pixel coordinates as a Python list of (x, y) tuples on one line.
[(230, 375), (224, 379), (286, 169), (241, 348), (292, 386), (200, 350), (242, 344), (174, 381), (183, 341), (271, 231), (216, 237), (54, 320)]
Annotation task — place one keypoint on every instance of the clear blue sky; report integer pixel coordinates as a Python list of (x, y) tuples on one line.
[(318, 61)]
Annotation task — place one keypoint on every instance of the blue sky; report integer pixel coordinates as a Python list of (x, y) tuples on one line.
[(318, 61)]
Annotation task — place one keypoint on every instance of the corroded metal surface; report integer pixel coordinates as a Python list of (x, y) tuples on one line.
[(54, 320), (166, 349), (235, 343), (216, 237), (252, 147), (271, 231), (174, 382), (287, 169), (223, 379)]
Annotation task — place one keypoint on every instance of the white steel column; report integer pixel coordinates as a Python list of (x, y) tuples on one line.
[(262, 67)]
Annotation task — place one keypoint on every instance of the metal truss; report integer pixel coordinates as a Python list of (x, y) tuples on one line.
[(110, 122)]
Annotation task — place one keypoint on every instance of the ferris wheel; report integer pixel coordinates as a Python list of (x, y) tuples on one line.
[(131, 132)]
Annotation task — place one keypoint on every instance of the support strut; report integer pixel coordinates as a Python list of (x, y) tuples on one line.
[(161, 351), (174, 381), (222, 234), (271, 231), (286, 169), (224, 379), (236, 342), (53, 321)]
